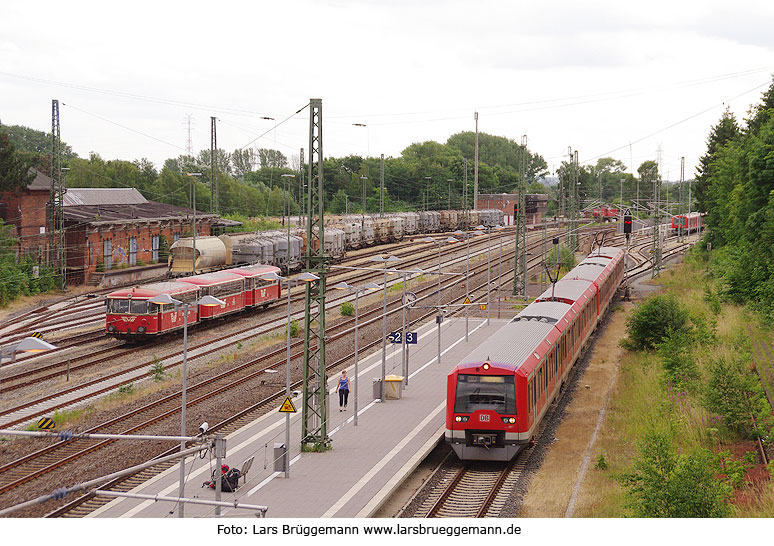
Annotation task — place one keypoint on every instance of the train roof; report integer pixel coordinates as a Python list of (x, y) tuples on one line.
[(606, 252), (209, 279), (569, 290), (253, 270), (152, 290), (587, 272)]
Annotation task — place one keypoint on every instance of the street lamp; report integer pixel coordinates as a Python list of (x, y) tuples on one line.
[(404, 343), (364, 178), (26, 345), (439, 316), (303, 277), (460, 233), (205, 301), (384, 261), (344, 286), (193, 200), (488, 230), (499, 228)]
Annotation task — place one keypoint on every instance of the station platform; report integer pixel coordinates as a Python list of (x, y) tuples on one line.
[(366, 463)]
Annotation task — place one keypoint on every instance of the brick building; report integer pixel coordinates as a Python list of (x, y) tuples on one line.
[(106, 228), (536, 204)]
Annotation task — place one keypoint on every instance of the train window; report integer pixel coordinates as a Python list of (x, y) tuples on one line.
[(139, 307), (485, 392), (120, 306)]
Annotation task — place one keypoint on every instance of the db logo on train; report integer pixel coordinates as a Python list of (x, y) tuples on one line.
[(483, 418)]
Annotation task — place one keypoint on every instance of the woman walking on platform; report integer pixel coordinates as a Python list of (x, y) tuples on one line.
[(343, 390)]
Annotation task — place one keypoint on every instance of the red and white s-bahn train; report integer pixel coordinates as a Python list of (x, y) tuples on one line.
[(130, 314), (689, 222), (498, 396)]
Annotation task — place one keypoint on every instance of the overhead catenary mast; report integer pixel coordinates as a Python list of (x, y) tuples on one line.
[(314, 427), (56, 233)]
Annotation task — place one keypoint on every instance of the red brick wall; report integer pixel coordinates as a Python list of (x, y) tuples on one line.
[(119, 236), (26, 211)]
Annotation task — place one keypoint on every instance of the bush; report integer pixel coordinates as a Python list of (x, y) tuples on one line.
[(566, 258), (664, 484), (679, 366), (655, 320), (294, 328), (157, 370), (734, 394), (347, 309)]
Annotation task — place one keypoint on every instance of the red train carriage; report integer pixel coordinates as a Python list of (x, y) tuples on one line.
[(689, 222), (224, 285), (498, 396), (129, 314), (257, 291)]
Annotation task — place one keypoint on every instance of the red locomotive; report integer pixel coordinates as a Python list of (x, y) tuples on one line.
[(498, 396), (605, 214), (689, 222), (131, 316)]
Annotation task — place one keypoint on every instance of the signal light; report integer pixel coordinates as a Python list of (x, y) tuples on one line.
[(627, 224)]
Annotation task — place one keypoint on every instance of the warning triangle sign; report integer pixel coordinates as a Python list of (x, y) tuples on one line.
[(287, 406), (466, 302)]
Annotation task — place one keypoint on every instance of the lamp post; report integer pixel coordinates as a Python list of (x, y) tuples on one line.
[(439, 316), (205, 301), (488, 267), (460, 233), (500, 266), (303, 277), (26, 345), (384, 261), (344, 286), (193, 229), (364, 178)]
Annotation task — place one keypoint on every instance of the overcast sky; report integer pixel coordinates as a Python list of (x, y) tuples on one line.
[(595, 77)]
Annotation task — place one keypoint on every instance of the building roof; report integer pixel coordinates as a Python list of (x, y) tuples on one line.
[(127, 214), (102, 196)]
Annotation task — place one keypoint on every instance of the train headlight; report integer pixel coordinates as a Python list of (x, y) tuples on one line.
[(462, 418), (486, 366), (509, 420), (141, 330), (111, 328)]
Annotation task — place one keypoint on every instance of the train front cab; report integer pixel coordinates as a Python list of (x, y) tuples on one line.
[(129, 314), (482, 422)]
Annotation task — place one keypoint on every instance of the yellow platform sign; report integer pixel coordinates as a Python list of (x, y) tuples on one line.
[(466, 302), (287, 406), (482, 307)]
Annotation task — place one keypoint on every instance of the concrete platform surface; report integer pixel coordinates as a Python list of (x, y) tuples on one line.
[(367, 462)]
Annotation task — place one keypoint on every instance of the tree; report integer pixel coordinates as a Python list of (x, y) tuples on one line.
[(15, 170), (724, 132), (664, 484), (243, 162), (655, 320), (272, 158)]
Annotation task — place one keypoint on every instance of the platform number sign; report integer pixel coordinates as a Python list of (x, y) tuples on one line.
[(397, 337)]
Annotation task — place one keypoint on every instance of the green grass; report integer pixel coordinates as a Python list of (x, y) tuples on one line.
[(645, 401)]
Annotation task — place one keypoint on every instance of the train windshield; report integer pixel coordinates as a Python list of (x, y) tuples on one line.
[(485, 392), (133, 307)]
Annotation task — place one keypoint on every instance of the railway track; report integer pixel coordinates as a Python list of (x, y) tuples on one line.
[(39, 465)]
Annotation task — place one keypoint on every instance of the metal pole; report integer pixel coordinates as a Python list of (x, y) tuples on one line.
[(488, 273), (219, 462), (357, 310), (499, 272), (403, 331), (286, 462), (193, 257), (384, 335), (438, 315), (467, 277), (181, 493)]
